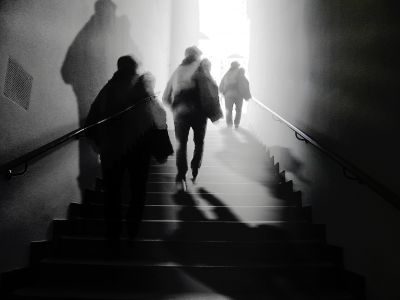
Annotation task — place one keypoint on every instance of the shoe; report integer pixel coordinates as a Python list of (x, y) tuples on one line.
[(195, 172), (181, 185), (236, 127)]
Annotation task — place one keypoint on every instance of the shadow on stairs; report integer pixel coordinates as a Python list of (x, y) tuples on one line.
[(239, 233)]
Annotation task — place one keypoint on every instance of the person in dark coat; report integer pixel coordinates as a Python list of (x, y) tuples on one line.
[(128, 140), (182, 95), (87, 66), (235, 87), (208, 91)]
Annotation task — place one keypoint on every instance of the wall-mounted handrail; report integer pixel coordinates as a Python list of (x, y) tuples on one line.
[(348, 168), (7, 168)]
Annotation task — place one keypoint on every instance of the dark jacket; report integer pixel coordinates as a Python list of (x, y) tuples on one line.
[(143, 127), (208, 94), (181, 93)]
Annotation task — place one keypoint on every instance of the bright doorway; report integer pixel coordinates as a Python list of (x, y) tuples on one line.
[(224, 35)]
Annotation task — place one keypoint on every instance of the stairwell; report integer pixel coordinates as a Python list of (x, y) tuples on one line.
[(240, 232)]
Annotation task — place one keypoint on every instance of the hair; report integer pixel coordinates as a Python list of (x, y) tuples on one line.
[(127, 62), (104, 4), (206, 64), (235, 64), (193, 51)]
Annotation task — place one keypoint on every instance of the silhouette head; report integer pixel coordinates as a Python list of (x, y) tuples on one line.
[(235, 65), (105, 9), (193, 52), (104, 5), (127, 63)]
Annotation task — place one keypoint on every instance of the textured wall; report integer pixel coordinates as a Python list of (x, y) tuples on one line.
[(331, 68)]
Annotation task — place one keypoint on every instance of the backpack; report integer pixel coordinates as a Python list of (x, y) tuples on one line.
[(208, 95)]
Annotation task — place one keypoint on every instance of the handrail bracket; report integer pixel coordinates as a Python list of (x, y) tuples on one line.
[(346, 174), (10, 173), (300, 137)]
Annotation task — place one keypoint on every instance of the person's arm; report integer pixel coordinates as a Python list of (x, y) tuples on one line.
[(95, 115), (160, 143), (244, 88), (222, 85), (167, 96)]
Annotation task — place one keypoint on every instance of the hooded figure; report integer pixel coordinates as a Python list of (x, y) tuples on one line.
[(136, 131)]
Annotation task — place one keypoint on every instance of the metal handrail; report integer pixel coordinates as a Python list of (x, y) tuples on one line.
[(350, 171), (7, 168)]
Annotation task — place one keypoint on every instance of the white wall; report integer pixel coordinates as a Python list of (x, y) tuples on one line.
[(184, 29)]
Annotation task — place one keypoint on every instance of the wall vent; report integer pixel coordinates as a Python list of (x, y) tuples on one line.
[(18, 84)]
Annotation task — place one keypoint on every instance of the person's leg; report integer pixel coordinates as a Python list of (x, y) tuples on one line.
[(199, 131), (238, 109), (112, 179), (182, 127), (138, 169), (89, 167), (228, 109)]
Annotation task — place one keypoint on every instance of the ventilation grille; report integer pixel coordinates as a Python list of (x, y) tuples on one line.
[(18, 85)]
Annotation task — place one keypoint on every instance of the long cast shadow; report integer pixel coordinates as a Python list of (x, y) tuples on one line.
[(231, 247), (89, 63)]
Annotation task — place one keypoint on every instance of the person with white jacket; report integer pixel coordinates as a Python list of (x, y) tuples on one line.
[(182, 96)]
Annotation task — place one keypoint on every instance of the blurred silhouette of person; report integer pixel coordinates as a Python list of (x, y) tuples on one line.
[(88, 65), (128, 140), (208, 91), (182, 95), (235, 87)]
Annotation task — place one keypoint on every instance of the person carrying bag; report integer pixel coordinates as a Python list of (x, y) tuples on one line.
[(208, 91)]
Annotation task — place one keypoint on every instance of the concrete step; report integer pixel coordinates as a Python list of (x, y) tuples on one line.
[(71, 291), (234, 188), (204, 197), (198, 252), (216, 177), (177, 277), (195, 212), (200, 230)]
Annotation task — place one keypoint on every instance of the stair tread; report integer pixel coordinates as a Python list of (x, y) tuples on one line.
[(202, 221), (195, 206), (173, 264), (102, 292), (240, 204), (256, 242)]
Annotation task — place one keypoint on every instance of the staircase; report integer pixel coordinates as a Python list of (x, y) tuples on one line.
[(239, 233)]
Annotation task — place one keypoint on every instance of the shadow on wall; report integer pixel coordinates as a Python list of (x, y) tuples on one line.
[(291, 163), (248, 154), (89, 64)]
